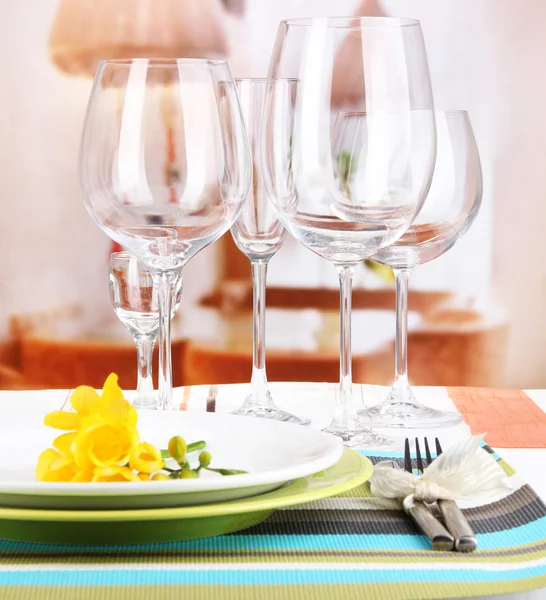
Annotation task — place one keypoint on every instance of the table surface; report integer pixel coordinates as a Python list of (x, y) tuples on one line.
[(315, 400)]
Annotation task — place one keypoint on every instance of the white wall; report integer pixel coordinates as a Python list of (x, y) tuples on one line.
[(48, 245)]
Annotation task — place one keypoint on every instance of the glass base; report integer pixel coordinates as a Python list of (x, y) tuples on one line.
[(145, 403), (409, 414), (270, 412), (359, 436)]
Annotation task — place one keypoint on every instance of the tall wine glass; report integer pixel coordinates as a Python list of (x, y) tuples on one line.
[(259, 235), (164, 167), (450, 209), (306, 158)]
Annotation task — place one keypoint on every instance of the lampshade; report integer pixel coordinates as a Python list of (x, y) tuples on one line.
[(347, 69), (87, 31)]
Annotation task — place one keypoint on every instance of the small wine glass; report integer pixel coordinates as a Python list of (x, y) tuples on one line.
[(259, 235), (134, 298), (450, 208), (164, 167), (305, 154)]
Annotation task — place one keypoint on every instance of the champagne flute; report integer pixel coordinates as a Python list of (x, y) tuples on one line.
[(450, 208), (259, 235), (164, 167), (304, 155)]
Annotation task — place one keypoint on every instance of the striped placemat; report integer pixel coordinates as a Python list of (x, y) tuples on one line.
[(349, 547)]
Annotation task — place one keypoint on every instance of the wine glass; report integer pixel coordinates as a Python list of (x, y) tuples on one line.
[(164, 167), (305, 155), (134, 298), (450, 208), (259, 235)]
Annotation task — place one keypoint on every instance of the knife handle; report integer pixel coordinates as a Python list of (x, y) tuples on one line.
[(465, 540), (440, 538)]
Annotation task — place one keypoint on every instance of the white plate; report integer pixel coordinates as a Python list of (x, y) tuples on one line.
[(272, 452)]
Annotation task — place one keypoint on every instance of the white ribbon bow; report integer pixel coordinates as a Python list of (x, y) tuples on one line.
[(463, 472)]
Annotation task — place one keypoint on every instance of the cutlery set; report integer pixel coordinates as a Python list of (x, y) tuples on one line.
[(430, 518)]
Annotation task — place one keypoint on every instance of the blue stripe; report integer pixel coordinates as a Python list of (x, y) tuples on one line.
[(392, 454), (209, 576), (381, 453)]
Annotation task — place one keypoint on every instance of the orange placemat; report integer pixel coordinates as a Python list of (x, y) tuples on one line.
[(509, 418)]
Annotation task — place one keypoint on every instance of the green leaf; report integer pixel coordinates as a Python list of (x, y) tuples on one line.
[(227, 472), (193, 447)]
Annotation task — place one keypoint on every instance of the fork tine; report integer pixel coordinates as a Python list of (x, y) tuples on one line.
[(420, 467), (407, 457), (438, 447), (427, 452)]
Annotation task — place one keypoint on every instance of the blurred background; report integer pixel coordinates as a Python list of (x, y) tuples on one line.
[(477, 315)]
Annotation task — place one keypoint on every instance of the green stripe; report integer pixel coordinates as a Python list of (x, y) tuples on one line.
[(273, 592), (510, 471)]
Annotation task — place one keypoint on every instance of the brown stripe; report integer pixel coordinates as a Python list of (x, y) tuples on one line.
[(211, 398)]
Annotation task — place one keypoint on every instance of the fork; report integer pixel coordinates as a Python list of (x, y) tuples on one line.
[(465, 540), (439, 536)]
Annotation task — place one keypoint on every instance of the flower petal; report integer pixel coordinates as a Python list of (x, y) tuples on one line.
[(53, 466), (86, 401), (45, 460), (146, 459), (60, 419), (111, 390), (64, 474), (115, 405), (83, 476), (63, 443), (110, 474)]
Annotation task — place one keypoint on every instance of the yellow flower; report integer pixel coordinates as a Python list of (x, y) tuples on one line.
[(144, 476), (146, 459), (101, 438), (103, 442), (160, 477), (114, 474)]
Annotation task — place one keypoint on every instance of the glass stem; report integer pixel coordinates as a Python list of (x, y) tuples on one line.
[(401, 389), (345, 415), (165, 281), (258, 384), (145, 349)]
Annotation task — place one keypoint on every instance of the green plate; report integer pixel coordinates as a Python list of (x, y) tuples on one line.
[(176, 524)]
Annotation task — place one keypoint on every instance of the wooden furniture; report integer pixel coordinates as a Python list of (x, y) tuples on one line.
[(448, 347), (66, 348)]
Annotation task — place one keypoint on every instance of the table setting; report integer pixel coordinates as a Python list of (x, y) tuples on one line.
[(274, 489)]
